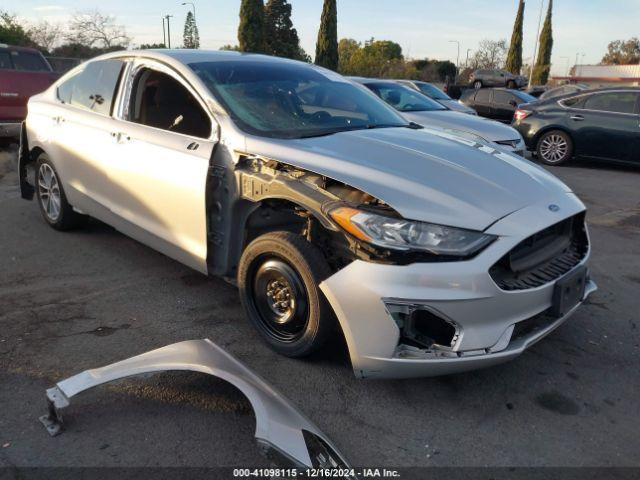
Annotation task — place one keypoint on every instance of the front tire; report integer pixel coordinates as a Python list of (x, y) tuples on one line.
[(278, 277), (555, 148), (477, 84), (511, 85), (52, 200)]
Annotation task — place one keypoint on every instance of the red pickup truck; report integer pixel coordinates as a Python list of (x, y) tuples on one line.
[(23, 72)]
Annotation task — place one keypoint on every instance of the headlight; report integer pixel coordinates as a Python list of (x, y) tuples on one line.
[(406, 235)]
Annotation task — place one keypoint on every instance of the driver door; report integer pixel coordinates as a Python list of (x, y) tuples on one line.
[(165, 137)]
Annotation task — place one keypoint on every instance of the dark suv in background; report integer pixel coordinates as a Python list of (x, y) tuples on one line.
[(600, 124), (496, 103), (496, 78)]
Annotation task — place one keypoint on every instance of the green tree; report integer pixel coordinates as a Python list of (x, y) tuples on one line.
[(514, 57), (12, 33), (191, 37), (251, 29), (150, 46), (543, 63), (621, 52), (281, 39), (327, 44)]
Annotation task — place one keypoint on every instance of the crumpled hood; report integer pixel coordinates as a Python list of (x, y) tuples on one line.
[(421, 174), (488, 129)]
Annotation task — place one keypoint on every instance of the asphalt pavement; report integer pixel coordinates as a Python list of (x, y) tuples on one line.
[(72, 301)]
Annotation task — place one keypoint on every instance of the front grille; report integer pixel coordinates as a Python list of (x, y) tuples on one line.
[(543, 257)]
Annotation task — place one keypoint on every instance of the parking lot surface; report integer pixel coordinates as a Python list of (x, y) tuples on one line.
[(72, 301)]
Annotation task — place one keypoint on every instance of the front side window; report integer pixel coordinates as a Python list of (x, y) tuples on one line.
[(404, 99), (617, 102), (160, 101), (94, 87), (28, 61), (288, 100), (503, 98)]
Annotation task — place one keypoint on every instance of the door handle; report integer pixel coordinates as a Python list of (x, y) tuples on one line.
[(577, 118), (120, 137)]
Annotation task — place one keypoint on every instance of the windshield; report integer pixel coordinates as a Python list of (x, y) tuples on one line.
[(289, 100), (432, 91), (404, 99)]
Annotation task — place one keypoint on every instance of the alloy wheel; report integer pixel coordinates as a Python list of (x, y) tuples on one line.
[(49, 192), (554, 148)]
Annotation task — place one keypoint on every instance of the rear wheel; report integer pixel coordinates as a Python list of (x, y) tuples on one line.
[(477, 84), (278, 276), (555, 148), (52, 200), (511, 85)]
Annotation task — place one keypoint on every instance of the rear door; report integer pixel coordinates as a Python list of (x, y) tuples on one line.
[(504, 105), (482, 103), (607, 126)]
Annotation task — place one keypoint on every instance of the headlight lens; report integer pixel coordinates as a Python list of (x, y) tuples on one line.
[(407, 235)]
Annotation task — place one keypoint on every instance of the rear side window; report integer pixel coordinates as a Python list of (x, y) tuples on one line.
[(483, 96), (618, 102), (503, 98), (5, 61), (94, 87), (31, 62)]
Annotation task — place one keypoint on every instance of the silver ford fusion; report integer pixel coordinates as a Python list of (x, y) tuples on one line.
[(422, 110), (432, 253)]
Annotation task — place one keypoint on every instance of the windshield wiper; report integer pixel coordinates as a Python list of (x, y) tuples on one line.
[(325, 133)]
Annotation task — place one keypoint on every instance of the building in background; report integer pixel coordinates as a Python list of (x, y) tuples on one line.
[(596, 76)]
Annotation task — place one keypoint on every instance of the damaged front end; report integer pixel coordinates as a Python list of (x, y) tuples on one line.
[(285, 436)]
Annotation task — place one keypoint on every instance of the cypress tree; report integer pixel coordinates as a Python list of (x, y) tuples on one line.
[(543, 63), (251, 29), (191, 37), (281, 39), (514, 58), (327, 45)]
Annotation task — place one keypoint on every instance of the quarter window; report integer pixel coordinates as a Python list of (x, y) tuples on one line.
[(94, 87), (158, 100), (618, 102), (5, 61)]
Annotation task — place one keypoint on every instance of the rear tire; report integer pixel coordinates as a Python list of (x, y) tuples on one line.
[(278, 277), (511, 85), (52, 200), (555, 148)]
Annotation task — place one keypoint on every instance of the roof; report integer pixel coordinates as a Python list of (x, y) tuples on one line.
[(18, 49)]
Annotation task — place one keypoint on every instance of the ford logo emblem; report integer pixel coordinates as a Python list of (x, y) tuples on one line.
[(554, 208)]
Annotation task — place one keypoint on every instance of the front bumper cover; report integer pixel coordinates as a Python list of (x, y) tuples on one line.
[(462, 292), (282, 431)]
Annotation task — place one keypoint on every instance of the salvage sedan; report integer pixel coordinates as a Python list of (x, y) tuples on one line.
[(435, 253)]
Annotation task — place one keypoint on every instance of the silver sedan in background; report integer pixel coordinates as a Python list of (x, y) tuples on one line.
[(420, 109), (434, 93)]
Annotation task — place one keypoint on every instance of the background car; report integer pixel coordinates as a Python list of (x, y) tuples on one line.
[(496, 103), (563, 90), (434, 93), (601, 124), (422, 110), (23, 73), (496, 78)]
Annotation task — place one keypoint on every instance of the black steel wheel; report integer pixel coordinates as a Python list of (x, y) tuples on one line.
[(278, 277)]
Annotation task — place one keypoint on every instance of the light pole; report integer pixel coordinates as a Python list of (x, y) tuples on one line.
[(164, 34), (168, 17), (455, 80), (535, 48), (193, 7), (466, 63)]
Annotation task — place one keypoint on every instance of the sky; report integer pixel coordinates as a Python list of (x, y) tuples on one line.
[(424, 28)]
